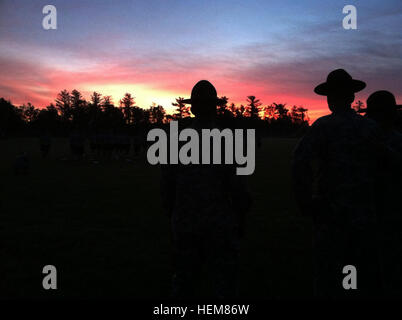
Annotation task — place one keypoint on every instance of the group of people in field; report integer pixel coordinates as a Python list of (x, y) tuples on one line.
[(346, 175), (106, 145), (93, 147)]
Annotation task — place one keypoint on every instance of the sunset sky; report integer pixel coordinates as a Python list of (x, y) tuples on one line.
[(157, 50)]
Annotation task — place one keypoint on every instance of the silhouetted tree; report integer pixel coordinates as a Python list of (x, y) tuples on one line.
[(107, 103), (10, 120), (240, 111), (281, 111), (76, 99), (358, 106), (253, 107), (182, 110), (222, 106), (63, 105), (169, 118), (298, 114), (94, 109), (139, 115), (78, 109), (157, 113), (269, 112), (127, 102), (96, 99), (48, 119), (72, 111), (28, 112), (232, 108)]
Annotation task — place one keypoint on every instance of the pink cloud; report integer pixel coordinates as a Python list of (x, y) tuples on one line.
[(250, 71)]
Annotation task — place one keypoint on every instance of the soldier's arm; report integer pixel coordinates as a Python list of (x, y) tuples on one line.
[(245, 202), (240, 196), (168, 188), (395, 152), (306, 151)]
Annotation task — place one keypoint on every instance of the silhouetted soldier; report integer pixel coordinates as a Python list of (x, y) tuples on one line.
[(77, 144), (126, 144), (137, 145), (45, 144), (21, 164), (108, 144), (206, 204), (382, 108), (334, 174), (93, 144), (121, 144)]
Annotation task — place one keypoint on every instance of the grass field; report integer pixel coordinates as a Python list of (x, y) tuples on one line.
[(103, 228)]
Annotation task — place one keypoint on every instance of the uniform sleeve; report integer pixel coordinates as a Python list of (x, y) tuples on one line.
[(168, 188), (240, 197), (395, 151), (240, 193), (307, 150)]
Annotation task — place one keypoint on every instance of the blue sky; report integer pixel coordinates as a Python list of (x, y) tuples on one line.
[(276, 50)]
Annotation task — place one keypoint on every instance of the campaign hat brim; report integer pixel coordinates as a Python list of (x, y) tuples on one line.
[(190, 101), (326, 88)]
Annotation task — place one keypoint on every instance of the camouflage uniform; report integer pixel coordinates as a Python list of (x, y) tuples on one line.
[(206, 204), (334, 177)]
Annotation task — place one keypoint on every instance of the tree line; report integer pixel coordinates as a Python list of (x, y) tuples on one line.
[(71, 111)]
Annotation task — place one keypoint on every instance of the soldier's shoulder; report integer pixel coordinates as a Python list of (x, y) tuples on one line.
[(367, 125), (364, 120), (397, 134), (322, 121), (186, 123), (395, 139)]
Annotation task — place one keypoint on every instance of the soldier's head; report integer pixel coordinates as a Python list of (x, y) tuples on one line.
[(338, 101), (204, 100), (382, 107), (340, 89)]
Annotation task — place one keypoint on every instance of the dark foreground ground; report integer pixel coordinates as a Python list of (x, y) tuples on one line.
[(102, 226)]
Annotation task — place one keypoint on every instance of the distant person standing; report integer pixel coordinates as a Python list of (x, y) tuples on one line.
[(334, 168), (382, 108), (206, 205), (77, 144), (93, 144), (21, 164), (45, 144), (137, 143)]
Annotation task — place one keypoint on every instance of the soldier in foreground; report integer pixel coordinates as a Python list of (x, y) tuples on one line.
[(382, 108), (206, 205), (334, 169)]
